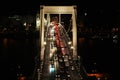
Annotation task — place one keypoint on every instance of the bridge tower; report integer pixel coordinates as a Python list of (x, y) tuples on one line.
[(47, 10)]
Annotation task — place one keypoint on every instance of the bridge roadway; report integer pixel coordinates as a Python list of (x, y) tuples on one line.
[(58, 63), (45, 68)]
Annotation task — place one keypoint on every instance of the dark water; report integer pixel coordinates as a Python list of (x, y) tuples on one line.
[(100, 54), (18, 56)]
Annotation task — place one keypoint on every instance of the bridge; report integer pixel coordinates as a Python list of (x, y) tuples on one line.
[(58, 58)]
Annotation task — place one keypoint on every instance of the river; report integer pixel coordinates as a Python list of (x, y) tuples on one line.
[(17, 56)]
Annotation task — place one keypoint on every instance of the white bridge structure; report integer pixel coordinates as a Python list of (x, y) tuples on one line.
[(56, 60), (58, 10)]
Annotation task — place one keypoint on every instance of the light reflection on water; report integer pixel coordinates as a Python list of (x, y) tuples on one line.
[(5, 41)]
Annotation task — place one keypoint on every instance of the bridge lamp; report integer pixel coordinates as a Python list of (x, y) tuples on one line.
[(72, 47), (44, 43), (69, 42)]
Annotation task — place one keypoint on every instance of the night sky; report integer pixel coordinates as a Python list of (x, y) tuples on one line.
[(30, 6), (98, 12)]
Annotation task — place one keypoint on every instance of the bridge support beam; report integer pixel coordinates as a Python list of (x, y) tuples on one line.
[(42, 33), (74, 32)]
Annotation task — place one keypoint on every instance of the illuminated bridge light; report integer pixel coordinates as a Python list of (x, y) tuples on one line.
[(52, 69), (72, 47), (69, 42), (44, 43)]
